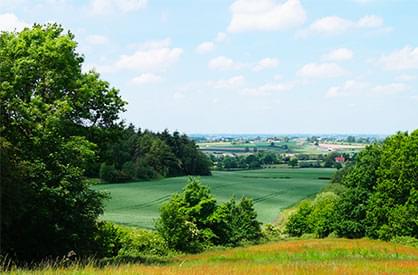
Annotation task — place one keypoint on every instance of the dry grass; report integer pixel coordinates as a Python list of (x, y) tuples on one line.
[(327, 256)]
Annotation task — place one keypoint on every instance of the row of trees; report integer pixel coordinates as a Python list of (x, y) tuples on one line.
[(147, 155), (257, 160), (379, 197)]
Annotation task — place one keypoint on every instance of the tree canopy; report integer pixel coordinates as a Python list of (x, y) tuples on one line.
[(50, 112)]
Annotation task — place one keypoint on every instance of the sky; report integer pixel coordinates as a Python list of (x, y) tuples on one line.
[(247, 66)]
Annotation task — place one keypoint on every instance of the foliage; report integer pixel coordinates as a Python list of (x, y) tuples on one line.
[(50, 111), (147, 155), (192, 220), (382, 196), (234, 223), (316, 217)]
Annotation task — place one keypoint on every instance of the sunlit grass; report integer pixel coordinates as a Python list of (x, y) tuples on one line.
[(327, 256)]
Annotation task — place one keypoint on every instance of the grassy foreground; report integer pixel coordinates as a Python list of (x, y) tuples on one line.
[(273, 189), (326, 256)]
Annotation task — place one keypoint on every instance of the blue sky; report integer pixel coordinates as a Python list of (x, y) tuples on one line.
[(247, 66)]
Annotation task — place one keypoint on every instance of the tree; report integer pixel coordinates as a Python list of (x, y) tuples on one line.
[(293, 162), (50, 113), (380, 200), (184, 220)]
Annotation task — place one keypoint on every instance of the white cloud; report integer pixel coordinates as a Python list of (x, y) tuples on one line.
[(97, 39), (321, 70), (406, 77), (370, 21), (223, 63), (101, 7), (267, 89), (151, 56), (340, 54), (229, 83), (403, 59), (349, 88), (146, 78), (389, 89), (208, 46), (205, 47), (266, 63), (9, 22), (359, 88), (265, 15), (332, 25)]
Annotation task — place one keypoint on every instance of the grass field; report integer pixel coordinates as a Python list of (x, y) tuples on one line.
[(138, 203), (326, 256)]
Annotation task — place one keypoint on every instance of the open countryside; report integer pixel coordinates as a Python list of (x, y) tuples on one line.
[(272, 189)]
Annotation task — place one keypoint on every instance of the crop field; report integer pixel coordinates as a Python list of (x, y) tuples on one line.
[(323, 256), (272, 189), (293, 147)]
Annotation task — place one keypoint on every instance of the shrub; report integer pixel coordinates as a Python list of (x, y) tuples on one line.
[(191, 220), (316, 217), (136, 242), (236, 223), (298, 223)]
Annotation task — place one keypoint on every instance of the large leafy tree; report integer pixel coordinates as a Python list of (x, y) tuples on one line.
[(52, 116), (382, 191)]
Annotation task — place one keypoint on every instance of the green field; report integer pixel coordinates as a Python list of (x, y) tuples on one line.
[(138, 203)]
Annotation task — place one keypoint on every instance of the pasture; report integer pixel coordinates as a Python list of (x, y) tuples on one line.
[(272, 189)]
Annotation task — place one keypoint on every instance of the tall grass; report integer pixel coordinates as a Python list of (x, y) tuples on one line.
[(325, 256)]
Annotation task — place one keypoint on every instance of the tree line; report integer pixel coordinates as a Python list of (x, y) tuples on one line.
[(374, 197), (138, 154)]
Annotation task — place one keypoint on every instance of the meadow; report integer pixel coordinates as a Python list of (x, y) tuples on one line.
[(272, 189), (320, 256)]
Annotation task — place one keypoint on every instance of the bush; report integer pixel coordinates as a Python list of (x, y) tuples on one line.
[(184, 220), (236, 223), (317, 217), (298, 223), (136, 242), (191, 220)]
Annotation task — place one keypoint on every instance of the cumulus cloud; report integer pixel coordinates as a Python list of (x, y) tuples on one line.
[(150, 56), (348, 88), (9, 22), (321, 70), (223, 63), (205, 47), (389, 89), (402, 59), (101, 7), (266, 63), (229, 83), (332, 25), (146, 78), (97, 39), (359, 88), (267, 89), (340, 54), (208, 46), (265, 15)]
